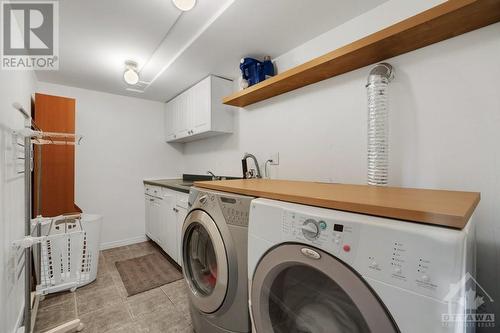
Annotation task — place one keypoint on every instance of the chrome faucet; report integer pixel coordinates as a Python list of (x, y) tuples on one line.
[(214, 177), (250, 173)]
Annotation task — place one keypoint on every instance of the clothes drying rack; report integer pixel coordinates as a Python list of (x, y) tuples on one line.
[(32, 135)]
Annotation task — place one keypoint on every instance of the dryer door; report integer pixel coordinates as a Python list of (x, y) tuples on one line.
[(297, 288), (205, 263)]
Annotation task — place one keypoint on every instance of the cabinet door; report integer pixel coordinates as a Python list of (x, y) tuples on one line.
[(147, 204), (200, 106), (176, 117), (169, 121), (152, 219), (188, 110), (182, 113), (56, 168), (167, 227), (181, 216)]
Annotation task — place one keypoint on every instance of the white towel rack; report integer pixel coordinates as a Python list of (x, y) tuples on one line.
[(32, 135), (39, 137)]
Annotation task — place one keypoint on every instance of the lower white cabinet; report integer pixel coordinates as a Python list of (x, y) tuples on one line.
[(165, 214), (153, 218), (168, 230), (148, 216)]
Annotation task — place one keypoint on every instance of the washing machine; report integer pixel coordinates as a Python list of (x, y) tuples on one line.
[(214, 253), (320, 270)]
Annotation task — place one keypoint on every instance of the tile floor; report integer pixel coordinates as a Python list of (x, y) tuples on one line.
[(103, 306)]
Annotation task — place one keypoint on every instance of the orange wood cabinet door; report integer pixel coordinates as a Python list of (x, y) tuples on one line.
[(54, 167)]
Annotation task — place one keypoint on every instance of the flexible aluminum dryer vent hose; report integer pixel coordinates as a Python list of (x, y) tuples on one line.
[(378, 124)]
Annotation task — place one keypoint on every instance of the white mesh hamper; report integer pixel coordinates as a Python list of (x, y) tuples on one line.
[(69, 253)]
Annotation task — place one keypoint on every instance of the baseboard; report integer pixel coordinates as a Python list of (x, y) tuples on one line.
[(123, 242)]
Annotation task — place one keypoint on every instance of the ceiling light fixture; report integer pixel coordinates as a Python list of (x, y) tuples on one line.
[(131, 75), (184, 5)]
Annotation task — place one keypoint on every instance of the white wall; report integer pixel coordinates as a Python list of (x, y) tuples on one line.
[(445, 124), (122, 145), (15, 86)]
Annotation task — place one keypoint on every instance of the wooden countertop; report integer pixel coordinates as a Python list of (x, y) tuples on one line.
[(445, 208)]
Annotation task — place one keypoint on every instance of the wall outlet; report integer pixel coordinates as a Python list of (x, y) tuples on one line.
[(275, 159)]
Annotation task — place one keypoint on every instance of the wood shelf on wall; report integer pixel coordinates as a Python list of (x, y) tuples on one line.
[(450, 19)]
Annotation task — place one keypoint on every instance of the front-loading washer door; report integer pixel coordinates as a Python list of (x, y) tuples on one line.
[(297, 288), (205, 261)]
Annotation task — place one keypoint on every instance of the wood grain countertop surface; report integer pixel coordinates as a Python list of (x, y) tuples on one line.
[(438, 207)]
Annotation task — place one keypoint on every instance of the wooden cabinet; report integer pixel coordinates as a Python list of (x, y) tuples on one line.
[(198, 112), (54, 165)]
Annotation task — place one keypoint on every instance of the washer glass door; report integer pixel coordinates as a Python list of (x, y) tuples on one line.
[(296, 293), (205, 261), (202, 262), (302, 299)]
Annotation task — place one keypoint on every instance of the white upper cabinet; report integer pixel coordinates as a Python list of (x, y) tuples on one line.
[(169, 122), (198, 112)]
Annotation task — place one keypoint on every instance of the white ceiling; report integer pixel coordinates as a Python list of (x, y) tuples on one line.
[(174, 49)]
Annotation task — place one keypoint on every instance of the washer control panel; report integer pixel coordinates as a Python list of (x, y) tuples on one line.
[(235, 210), (334, 236)]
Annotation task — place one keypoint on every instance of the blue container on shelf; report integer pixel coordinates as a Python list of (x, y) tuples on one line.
[(255, 71), (268, 67)]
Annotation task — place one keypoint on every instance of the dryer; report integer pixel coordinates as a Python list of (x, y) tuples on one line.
[(320, 270), (214, 256)]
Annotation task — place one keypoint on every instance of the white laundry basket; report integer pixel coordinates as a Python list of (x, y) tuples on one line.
[(69, 253)]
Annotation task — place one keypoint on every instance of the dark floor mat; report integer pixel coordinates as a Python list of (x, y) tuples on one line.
[(147, 272)]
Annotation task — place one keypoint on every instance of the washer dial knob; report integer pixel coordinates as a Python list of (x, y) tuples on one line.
[(310, 229)]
